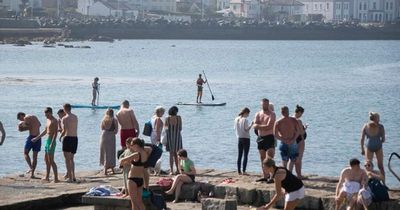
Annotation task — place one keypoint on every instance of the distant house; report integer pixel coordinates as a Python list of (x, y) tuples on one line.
[(246, 8), (15, 5), (154, 5), (376, 10), (106, 8), (330, 10), (283, 9)]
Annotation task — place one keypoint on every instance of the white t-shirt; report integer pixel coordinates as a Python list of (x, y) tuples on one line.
[(242, 127)]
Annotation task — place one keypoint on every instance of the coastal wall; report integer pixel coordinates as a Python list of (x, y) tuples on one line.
[(239, 33)]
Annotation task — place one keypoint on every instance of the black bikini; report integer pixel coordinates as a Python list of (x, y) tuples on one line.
[(138, 163)]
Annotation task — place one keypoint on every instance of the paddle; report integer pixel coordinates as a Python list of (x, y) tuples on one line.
[(208, 84)]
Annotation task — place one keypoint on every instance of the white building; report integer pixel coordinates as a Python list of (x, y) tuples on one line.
[(331, 10), (223, 4), (14, 5), (376, 10), (245, 8), (106, 8), (283, 9), (155, 5)]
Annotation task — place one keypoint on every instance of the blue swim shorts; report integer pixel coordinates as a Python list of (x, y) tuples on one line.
[(34, 146), (288, 151)]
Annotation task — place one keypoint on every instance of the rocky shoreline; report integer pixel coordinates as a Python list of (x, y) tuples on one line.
[(20, 192)]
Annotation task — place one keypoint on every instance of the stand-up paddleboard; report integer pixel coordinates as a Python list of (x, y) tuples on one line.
[(201, 104), (77, 106)]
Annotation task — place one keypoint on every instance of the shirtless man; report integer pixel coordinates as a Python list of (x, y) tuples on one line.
[(129, 125), (70, 141), (286, 129), (51, 141), (352, 180), (264, 123), (199, 84), (3, 133), (31, 123)]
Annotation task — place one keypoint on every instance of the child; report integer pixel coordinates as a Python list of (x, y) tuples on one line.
[(127, 167)]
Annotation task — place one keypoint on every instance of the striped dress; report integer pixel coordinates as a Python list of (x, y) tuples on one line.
[(174, 137)]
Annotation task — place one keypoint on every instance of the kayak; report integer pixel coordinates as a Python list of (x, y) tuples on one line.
[(201, 104), (77, 106)]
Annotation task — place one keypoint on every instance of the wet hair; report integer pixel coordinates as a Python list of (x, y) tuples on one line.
[(125, 103), (354, 161), (373, 115), (138, 141), (20, 114), (48, 110), (96, 78), (265, 100), (67, 107), (182, 153), (60, 111), (159, 109), (199, 75), (299, 109), (269, 162), (173, 111), (244, 111)]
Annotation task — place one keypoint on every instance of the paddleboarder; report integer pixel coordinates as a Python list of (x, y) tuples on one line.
[(200, 82), (95, 91)]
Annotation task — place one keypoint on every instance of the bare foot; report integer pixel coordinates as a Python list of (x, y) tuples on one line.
[(33, 176), (45, 180), (65, 176), (28, 171), (56, 181), (169, 192), (175, 201), (245, 174)]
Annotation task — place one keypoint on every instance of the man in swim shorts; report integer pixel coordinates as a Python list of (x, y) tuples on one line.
[(352, 180), (51, 141), (154, 154), (69, 136), (129, 125), (31, 123), (264, 123), (287, 129), (199, 84)]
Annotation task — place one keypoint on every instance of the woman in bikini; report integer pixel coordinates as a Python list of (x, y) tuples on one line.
[(138, 160), (375, 133)]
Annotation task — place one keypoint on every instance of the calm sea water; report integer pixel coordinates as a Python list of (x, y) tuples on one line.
[(337, 82)]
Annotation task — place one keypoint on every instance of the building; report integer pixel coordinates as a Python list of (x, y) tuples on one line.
[(106, 8), (376, 10), (16, 5), (245, 8), (330, 10), (284, 9), (155, 5), (223, 4)]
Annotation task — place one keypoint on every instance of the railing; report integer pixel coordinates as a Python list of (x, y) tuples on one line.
[(390, 168)]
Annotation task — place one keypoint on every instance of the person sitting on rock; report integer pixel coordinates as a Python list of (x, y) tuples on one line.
[(352, 180), (284, 179), (187, 174)]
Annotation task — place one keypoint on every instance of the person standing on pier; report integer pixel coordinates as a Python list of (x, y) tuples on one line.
[(95, 91), (129, 125), (31, 123), (264, 124), (51, 141), (200, 82), (70, 141)]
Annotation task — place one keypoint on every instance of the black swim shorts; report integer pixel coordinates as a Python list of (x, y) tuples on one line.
[(70, 144), (265, 142)]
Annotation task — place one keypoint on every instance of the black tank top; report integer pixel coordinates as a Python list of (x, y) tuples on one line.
[(139, 162), (290, 183)]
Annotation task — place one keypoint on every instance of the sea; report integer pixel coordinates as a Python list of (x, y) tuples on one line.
[(337, 82)]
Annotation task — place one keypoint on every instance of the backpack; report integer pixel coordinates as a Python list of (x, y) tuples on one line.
[(158, 201), (378, 190), (148, 128)]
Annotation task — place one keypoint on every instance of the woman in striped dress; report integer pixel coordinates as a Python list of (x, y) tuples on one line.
[(173, 126)]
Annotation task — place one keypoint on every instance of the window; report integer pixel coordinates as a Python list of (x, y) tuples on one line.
[(390, 17), (360, 6), (391, 5), (327, 5), (315, 6), (320, 6), (307, 7), (386, 16), (374, 5), (234, 7), (337, 5), (346, 6), (365, 6), (376, 17), (359, 16), (387, 5)]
